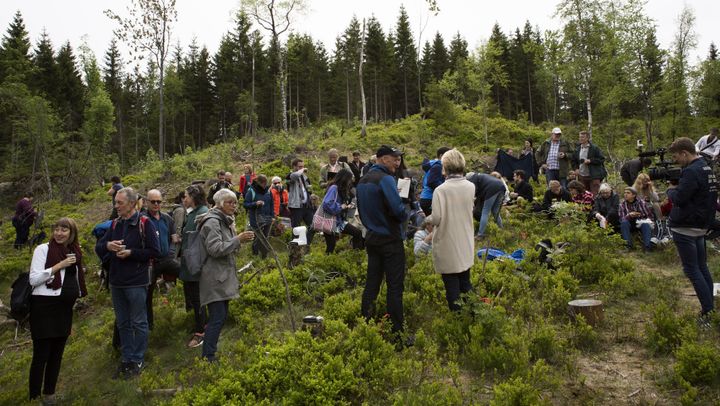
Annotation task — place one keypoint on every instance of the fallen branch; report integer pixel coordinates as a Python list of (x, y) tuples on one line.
[(19, 344), (634, 393)]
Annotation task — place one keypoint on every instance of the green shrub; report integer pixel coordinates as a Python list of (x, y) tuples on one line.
[(515, 392), (698, 363), (666, 330), (584, 337)]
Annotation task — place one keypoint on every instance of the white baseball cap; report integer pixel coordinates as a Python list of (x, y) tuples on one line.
[(556, 130)]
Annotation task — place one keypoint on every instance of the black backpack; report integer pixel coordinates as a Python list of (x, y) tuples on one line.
[(20, 297)]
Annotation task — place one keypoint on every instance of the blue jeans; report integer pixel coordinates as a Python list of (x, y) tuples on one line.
[(216, 319), (131, 318), (492, 206), (626, 228), (554, 174), (694, 261)]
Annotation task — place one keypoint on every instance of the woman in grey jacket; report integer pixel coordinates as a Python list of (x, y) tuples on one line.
[(218, 279)]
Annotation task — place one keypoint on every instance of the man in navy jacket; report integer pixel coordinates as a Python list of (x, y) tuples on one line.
[(381, 212), (129, 246), (694, 200)]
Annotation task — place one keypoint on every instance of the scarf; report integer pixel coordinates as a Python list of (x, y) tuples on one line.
[(58, 252)]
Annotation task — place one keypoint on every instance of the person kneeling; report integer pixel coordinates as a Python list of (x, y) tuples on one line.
[(634, 213)]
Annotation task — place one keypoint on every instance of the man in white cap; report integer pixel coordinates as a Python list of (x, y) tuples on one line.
[(555, 157)]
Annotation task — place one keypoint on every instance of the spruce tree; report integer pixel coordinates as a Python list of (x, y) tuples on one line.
[(70, 87), (458, 51), (406, 57), (15, 63), (45, 75)]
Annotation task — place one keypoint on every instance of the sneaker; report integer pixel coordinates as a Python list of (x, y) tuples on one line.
[(49, 400), (135, 369), (703, 323), (196, 340)]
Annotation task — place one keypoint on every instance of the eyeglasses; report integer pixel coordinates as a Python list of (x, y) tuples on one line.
[(155, 201), (276, 183), (231, 202)]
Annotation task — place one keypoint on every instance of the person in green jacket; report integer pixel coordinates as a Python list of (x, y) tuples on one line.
[(196, 205), (554, 158)]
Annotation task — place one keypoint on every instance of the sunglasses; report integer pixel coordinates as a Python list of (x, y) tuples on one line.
[(155, 201)]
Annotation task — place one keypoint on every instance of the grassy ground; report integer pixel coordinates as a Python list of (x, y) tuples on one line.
[(523, 348)]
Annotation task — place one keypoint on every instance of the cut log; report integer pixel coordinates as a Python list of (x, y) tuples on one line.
[(590, 309)]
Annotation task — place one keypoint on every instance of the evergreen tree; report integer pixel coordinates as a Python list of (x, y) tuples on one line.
[(376, 68), (113, 80), (501, 54), (439, 61), (71, 105), (45, 75), (406, 58), (707, 92), (15, 63), (458, 51)]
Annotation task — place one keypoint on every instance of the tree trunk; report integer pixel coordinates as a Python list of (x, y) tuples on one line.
[(283, 80), (363, 131), (588, 103), (319, 117), (252, 98), (347, 96), (530, 95), (375, 96), (297, 100), (161, 130), (290, 97)]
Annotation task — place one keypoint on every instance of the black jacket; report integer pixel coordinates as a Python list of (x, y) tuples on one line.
[(606, 207), (695, 198), (524, 190), (550, 198), (630, 171), (597, 161)]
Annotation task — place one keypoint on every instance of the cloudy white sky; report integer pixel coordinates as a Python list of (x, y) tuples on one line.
[(70, 20)]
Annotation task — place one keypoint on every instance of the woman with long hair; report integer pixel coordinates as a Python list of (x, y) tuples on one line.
[(57, 279), (337, 201), (646, 191)]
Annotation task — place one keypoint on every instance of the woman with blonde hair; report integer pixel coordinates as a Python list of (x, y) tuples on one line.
[(646, 191), (57, 279), (452, 217)]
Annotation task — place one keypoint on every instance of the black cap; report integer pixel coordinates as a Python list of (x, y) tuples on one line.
[(386, 150)]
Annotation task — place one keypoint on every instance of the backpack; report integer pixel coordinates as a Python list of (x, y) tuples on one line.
[(143, 219), (194, 255), (20, 297)]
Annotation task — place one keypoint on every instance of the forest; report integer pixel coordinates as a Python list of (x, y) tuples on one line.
[(602, 68)]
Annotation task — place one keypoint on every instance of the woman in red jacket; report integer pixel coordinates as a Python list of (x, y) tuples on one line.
[(246, 179)]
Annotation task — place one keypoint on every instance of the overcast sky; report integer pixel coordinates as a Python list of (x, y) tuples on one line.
[(208, 20)]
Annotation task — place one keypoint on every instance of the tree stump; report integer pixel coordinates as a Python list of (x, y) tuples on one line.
[(590, 309)]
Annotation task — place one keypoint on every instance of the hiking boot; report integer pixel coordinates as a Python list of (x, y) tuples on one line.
[(135, 369), (196, 340), (122, 371), (703, 322), (49, 400)]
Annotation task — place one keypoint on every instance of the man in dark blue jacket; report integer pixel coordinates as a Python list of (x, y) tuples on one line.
[(381, 212), (432, 179), (694, 200), (129, 246)]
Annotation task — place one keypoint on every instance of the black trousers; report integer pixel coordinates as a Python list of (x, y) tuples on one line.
[(426, 206), (455, 285), (164, 266), (358, 242), (192, 301), (258, 248), (303, 215), (386, 260), (22, 233), (46, 360)]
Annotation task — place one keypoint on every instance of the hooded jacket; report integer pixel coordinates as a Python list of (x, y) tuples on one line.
[(218, 279), (694, 199), (381, 208)]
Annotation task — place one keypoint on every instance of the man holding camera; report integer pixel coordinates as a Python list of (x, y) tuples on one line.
[(694, 201)]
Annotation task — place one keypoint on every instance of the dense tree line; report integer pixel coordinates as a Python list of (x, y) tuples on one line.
[(604, 64)]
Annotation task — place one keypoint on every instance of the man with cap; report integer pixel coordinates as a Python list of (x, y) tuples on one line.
[(555, 157), (381, 212)]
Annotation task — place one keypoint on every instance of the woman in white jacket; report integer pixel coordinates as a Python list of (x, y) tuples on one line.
[(57, 278), (453, 246)]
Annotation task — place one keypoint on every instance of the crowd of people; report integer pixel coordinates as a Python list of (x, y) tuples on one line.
[(377, 204)]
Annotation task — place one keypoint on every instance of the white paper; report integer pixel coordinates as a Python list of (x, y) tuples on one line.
[(716, 289), (404, 188)]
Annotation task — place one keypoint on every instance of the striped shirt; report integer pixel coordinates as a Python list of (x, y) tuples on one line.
[(552, 159), (639, 206)]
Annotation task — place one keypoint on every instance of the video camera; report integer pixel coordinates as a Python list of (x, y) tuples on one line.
[(663, 170)]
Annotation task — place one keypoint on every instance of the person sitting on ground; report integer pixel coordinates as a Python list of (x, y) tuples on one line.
[(331, 169), (337, 202), (579, 195), (605, 207), (489, 196), (554, 194), (259, 205), (280, 198), (423, 238), (218, 279), (57, 279), (646, 191), (522, 188), (116, 185), (246, 179), (452, 215), (634, 214), (23, 219), (630, 169), (220, 183)]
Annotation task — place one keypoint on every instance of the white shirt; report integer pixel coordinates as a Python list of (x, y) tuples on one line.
[(702, 146), (40, 276)]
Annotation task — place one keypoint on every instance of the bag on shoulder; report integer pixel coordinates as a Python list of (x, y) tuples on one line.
[(324, 222), (20, 297), (194, 255)]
